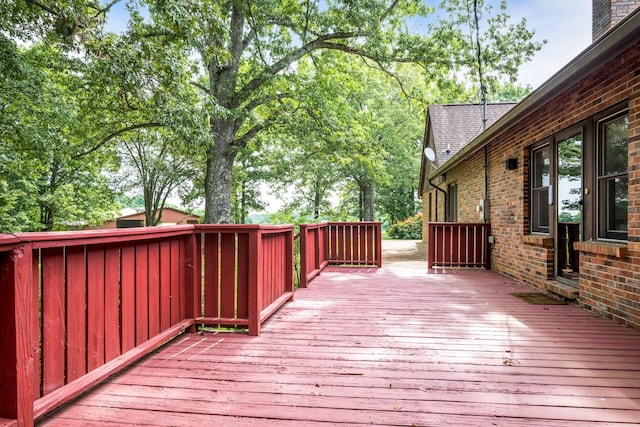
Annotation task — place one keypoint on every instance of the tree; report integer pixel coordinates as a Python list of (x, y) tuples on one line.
[(157, 163), (248, 51), (65, 100), (52, 179)]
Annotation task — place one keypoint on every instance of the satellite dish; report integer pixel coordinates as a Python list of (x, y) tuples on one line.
[(430, 154)]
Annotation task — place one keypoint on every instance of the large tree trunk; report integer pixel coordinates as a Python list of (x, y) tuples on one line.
[(367, 202), (222, 154), (217, 184), (217, 208)]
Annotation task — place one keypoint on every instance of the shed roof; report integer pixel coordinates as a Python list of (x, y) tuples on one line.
[(140, 214)]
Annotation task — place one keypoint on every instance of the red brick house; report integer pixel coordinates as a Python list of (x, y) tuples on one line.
[(170, 216), (559, 175), (449, 128)]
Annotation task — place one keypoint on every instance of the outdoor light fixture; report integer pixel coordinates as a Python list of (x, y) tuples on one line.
[(511, 164)]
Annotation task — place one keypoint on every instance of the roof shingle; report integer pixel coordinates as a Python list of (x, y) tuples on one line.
[(455, 125)]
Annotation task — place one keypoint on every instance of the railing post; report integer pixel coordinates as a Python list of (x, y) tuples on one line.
[(290, 268), (19, 320), (431, 245), (303, 255), (485, 244), (192, 276), (378, 227), (255, 281), (324, 246)]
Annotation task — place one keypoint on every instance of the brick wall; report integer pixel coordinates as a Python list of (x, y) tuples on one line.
[(609, 285), (607, 13)]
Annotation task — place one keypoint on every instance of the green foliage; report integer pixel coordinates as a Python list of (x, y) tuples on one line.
[(409, 229), (125, 201), (53, 180)]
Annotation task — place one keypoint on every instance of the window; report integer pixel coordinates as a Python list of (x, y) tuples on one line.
[(453, 202), (613, 180), (540, 179)]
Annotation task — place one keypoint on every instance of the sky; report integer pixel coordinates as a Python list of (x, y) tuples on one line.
[(565, 24)]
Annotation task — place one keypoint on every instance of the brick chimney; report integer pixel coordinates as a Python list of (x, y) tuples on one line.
[(607, 13)]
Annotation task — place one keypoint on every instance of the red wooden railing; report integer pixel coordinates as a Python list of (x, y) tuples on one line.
[(458, 245), (77, 307), (314, 251), (248, 274), (338, 243)]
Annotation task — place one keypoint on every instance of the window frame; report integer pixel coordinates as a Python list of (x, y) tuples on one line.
[(534, 202), (452, 195), (602, 178)]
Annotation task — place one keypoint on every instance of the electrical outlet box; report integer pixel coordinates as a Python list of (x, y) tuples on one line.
[(483, 210)]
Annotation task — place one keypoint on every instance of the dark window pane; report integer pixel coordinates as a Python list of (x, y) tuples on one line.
[(613, 181), (615, 149), (542, 209), (540, 180), (541, 162), (453, 202), (618, 201)]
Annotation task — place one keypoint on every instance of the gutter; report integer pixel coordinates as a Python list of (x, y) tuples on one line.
[(606, 47), (445, 199)]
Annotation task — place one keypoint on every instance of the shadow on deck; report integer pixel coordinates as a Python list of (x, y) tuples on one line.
[(388, 346)]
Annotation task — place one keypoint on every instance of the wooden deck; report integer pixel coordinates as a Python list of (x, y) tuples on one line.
[(390, 346)]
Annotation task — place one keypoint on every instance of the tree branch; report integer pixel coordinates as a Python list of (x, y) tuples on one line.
[(244, 139), (319, 43), (43, 7), (201, 87), (261, 101), (112, 135), (389, 10), (104, 10), (397, 79)]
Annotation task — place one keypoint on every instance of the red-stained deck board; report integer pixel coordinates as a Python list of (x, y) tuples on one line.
[(76, 313), (95, 307), (228, 260), (53, 306), (390, 346), (112, 304), (128, 298), (165, 285), (154, 289)]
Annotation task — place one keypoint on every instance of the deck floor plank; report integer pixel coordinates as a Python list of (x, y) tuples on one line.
[(388, 347)]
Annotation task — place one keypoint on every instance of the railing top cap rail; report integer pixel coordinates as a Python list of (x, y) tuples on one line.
[(242, 227), (107, 235), (314, 225), (7, 241), (338, 223), (355, 222), (459, 223), (87, 237)]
